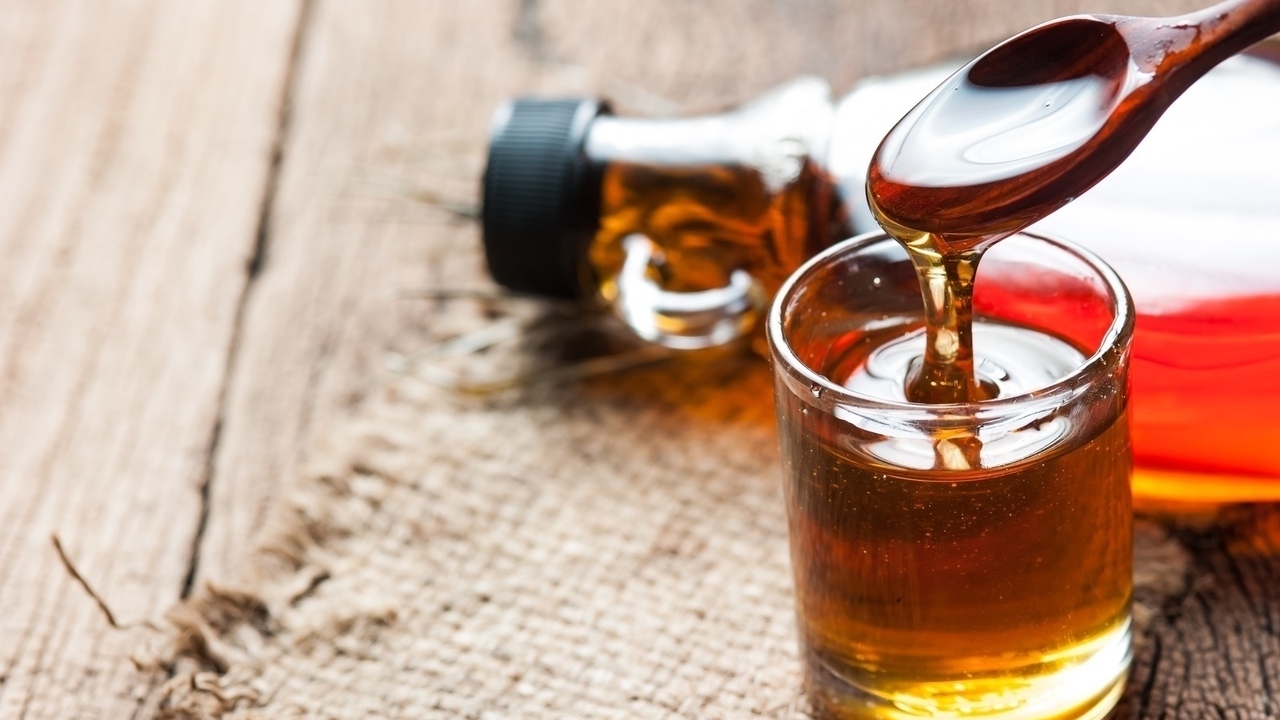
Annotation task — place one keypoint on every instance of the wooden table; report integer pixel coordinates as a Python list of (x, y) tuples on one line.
[(208, 210)]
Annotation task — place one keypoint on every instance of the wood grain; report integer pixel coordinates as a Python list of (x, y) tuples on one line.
[(135, 144), (1213, 647), (390, 105)]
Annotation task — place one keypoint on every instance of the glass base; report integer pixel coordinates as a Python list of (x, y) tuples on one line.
[(1084, 689)]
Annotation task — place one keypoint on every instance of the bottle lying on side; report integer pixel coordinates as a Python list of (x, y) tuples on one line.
[(686, 227)]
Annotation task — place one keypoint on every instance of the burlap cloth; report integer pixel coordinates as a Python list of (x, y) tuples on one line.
[(609, 549)]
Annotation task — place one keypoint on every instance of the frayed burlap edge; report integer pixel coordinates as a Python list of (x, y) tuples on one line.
[(260, 647)]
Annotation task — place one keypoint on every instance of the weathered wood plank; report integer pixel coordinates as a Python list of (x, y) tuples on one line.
[(1213, 646), (135, 140), (386, 94)]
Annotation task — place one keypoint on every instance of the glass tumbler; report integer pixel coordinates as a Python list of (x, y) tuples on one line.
[(960, 560)]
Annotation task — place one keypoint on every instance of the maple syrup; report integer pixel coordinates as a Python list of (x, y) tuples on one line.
[(708, 221), (683, 228), (967, 559), (963, 559), (1206, 342), (1005, 141), (994, 580), (1000, 591)]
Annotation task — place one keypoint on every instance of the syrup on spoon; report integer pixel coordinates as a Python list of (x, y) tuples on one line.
[(1018, 133)]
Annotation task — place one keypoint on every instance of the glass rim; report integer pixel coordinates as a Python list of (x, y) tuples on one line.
[(832, 393)]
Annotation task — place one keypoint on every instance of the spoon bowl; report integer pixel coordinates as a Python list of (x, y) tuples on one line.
[(1042, 117)]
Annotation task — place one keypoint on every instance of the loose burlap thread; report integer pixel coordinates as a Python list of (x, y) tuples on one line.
[(610, 549)]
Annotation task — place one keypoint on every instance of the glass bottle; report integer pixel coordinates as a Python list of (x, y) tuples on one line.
[(655, 221), (684, 228)]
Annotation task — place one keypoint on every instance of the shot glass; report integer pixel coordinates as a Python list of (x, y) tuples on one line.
[(961, 560)]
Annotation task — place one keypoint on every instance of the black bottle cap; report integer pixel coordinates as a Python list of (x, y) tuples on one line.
[(541, 200)]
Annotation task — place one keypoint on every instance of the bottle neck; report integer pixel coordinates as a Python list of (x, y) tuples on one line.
[(709, 140), (794, 118)]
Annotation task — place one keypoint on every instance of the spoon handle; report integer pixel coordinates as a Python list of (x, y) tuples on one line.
[(1179, 50), (1233, 25)]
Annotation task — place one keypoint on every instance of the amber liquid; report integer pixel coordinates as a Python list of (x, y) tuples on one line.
[(1226, 355), (945, 373), (983, 586), (710, 220), (998, 591)]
